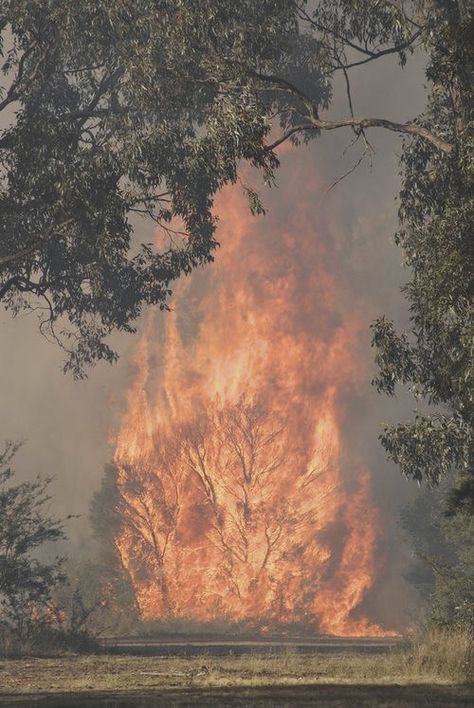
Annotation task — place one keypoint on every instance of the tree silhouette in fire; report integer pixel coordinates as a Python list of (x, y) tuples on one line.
[(216, 522)]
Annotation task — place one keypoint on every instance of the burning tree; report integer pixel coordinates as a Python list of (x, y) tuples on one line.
[(232, 452), (236, 457), (150, 507), (223, 517)]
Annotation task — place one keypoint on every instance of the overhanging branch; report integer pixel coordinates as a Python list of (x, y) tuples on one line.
[(407, 128), (314, 122), (363, 123)]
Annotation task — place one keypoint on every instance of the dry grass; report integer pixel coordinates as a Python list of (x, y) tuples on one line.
[(436, 661), (433, 671), (448, 655)]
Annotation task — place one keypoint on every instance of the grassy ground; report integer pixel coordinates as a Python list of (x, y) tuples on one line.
[(290, 679)]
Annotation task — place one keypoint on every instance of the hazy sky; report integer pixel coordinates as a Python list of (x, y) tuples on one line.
[(67, 425)]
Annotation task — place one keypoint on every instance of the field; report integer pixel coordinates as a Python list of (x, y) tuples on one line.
[(288, 678)]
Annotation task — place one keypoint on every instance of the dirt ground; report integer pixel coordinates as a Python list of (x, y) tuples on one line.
[(289, 679)]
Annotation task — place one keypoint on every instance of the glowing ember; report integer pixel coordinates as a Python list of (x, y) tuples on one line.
[(236, 500)]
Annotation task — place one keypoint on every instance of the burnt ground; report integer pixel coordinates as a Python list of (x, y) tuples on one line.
[(223, 645)]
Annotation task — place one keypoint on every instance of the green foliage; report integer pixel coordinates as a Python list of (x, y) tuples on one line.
[(26, 583), (435, 357), (122, 109), (428, 447), (116, 109), (45, 606)]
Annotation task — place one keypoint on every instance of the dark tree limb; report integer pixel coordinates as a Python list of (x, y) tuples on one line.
[(396, 49), (363, 123), (370, 54), (8, 285), (316, 123), (12, 93)]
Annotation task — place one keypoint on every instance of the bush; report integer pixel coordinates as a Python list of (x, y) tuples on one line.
[(32, 621), (442, 569), (26, 529), (44, 641)]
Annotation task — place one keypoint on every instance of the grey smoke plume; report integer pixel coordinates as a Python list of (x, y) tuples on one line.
[(66, 425)]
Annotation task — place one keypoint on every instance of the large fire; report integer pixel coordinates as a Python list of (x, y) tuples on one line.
[(238, 501)]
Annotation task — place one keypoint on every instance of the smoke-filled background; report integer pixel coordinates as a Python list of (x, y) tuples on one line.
[(69, 427)]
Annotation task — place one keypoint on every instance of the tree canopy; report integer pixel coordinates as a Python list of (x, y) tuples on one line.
[(435, 357), (114, 109)]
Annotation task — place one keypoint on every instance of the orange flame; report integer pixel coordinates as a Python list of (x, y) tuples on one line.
[(230, 456)]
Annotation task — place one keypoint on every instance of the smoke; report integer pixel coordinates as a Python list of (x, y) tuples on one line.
[(276, 319), (66, 425)]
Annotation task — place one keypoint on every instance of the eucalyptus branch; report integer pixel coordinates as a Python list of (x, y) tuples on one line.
[(12, 94), (362, 123), (396, 49)]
